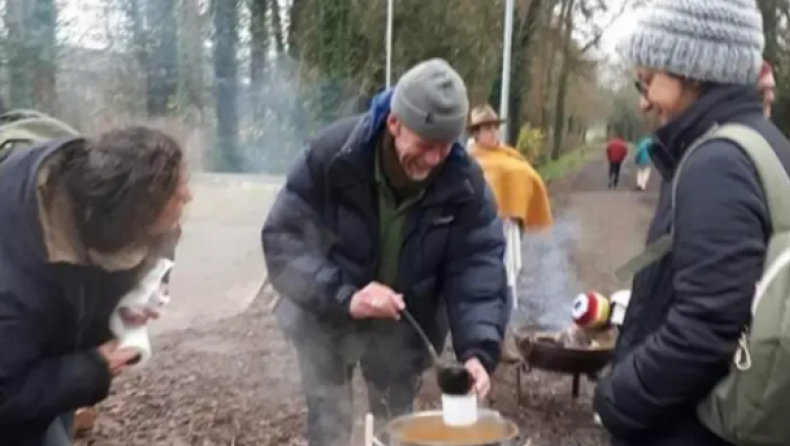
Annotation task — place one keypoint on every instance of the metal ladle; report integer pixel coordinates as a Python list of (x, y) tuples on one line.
[(453, 378)]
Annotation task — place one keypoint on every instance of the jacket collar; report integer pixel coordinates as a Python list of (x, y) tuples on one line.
[(354, 165)]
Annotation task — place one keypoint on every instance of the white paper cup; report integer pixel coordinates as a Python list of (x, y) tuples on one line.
[(459, 410), (619, 300), (136, 339)]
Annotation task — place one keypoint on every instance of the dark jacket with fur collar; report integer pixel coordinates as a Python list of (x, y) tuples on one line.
[(54, 306)]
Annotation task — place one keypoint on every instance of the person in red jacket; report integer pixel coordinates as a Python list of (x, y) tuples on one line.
[(616, 151)]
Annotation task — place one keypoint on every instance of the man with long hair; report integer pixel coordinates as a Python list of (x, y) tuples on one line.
[(81, 221)]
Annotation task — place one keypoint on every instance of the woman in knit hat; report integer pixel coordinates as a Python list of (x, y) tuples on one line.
[(697, 64)]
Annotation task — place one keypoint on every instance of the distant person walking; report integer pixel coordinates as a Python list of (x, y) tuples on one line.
[(642, 161), (616, 151)]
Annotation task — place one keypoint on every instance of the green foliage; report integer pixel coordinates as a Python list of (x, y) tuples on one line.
[(530, 142), (566, 163), (342, 50), (781, 109)]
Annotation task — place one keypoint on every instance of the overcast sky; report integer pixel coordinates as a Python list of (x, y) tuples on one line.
[(85, 23), (619, 29)]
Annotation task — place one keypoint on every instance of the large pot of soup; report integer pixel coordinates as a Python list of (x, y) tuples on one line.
[(428, 429)]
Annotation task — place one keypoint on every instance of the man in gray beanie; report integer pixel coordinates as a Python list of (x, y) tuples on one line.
[(697, 64), (384, 213)]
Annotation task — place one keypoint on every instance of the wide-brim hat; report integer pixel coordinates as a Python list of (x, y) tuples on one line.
[(483, 115)]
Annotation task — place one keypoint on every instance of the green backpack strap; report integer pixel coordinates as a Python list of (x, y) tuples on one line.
[(652, 253), (663, 245), (773, 178), (26, 127)]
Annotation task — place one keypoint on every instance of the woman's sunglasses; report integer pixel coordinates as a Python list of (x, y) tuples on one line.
[(642, 89)]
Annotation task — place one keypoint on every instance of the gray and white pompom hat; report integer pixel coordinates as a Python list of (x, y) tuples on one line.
[(719, 41)]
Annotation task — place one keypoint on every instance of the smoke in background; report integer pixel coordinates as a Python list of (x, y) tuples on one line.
[(223, 77), (278, 117), (547, 284)]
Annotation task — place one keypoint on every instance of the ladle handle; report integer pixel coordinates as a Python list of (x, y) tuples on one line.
[(422, 334)]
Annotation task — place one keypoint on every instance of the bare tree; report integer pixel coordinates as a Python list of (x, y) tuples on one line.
[(32, 52), (226, 40), (162, 57)]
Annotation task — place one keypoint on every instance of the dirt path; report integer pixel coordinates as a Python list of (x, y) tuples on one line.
[(613, 223), (234, 381)]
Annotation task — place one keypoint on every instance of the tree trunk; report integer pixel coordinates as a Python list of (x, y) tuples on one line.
[(562, 86), (548, 72), (137, 25), (277, 27), (520, 68), (770, 13), (32, 53), (43, 24), (294, 21), (259, 47), (20, 90), (191, 58), (162, 69), (335, 56), (226, 23)]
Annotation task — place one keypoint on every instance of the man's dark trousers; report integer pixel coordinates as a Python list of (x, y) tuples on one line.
[(391, 365), (614, 174)]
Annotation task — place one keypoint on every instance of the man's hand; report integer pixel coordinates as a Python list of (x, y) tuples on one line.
[(376, 301), (482, 383), (117, 360)]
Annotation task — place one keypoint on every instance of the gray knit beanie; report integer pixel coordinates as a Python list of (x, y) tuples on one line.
[(431, 101), (717, 41)]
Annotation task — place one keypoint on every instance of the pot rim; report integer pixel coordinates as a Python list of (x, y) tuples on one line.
[(513, 430)]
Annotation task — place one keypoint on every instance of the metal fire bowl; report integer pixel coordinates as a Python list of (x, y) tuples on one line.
[(546, 353)]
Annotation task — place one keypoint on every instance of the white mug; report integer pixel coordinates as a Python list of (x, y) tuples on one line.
[(459, 410)]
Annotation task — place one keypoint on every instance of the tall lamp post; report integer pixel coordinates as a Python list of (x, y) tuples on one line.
[(512, 234), (507, 53), (390, 10)]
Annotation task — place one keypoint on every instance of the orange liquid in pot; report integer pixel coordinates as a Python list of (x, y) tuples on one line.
[(432, 430)]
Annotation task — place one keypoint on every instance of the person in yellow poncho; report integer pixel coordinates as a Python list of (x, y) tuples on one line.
[(520, 193)]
